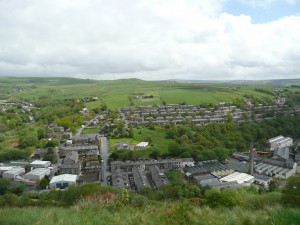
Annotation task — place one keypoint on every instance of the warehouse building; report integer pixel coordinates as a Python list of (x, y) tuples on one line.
[(238, 177), (262, 180), (40, 164), (280, 142), (13, 173), (213, 167), (4, 169), (275, 170), (63, 181), (37, 174), (216, 168)]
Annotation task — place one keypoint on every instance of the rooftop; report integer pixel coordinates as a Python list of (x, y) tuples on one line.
[(39, 162), (238, 177), (38, 171), (15, 170), (64, 177)]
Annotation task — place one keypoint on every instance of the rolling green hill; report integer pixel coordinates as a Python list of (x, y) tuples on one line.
[(118, 93)]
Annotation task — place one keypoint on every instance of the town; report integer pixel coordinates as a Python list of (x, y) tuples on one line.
[(84, 158)]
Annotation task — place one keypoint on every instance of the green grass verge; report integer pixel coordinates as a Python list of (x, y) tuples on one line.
[(151, 214)]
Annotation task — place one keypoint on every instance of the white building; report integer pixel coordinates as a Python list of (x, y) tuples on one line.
[(13, 172), (37, 174), (4, 169), (63, 181), (280, 142), (188, 162), (142, 145), (238, 177), (40, 164)]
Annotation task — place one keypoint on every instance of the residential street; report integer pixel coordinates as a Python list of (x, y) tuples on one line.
[(104, 153)]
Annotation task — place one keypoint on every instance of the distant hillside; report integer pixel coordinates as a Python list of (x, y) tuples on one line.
[(125, 92), (279, 82)]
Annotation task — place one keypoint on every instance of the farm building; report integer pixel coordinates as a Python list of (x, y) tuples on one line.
[(13, 172), (63, 181), (37, 174), (238, 177), (40, 164), (141, 145)]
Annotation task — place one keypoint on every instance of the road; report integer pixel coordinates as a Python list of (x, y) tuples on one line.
[(104, 153)]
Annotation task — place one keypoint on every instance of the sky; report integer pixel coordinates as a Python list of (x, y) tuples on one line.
[(151, 39)]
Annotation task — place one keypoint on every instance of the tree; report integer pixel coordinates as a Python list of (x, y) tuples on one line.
[(174, 149), (41, 133), (43, 183), (4, 185), (28, 141)]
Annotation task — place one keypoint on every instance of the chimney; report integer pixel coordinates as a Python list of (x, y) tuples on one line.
[(251, 160)]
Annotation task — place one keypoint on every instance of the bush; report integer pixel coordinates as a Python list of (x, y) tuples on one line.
[(217, 198), (138, 201)]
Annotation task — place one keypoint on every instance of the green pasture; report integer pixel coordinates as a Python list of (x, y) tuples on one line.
[(156, 137), (116, 93)]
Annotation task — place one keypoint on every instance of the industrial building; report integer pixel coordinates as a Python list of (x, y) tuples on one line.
[(63, 181), (278, 171), (40, 164), (4, 169), (238, 177), (262, 180), (208, 167), (37, 174), (280, 142), (13, 173)]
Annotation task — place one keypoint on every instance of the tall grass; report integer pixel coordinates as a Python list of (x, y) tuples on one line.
[(152, 214)]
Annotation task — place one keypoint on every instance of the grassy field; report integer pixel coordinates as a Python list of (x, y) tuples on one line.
[(150, 214), (156, 137), (116, 93)]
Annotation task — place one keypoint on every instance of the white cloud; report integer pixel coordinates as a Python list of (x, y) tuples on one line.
[(150, 39), (264, 3)]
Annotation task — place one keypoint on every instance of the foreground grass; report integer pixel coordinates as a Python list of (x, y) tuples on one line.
[(154, 213)]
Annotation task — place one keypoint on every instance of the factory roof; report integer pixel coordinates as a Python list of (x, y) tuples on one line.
[(64, 177), (15, 170), (38, 171), (39, 162), (238, 177)]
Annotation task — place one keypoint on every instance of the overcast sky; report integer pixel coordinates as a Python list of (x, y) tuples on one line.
[(151, 39)]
